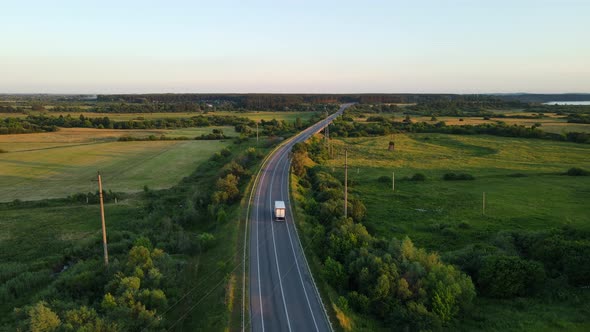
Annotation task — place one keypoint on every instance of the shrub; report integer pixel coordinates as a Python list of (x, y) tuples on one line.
[(384, 179), (418, 177), (464, 225), (457, 176), (206, 241), (576, 171), (509, 276), (517, 175)]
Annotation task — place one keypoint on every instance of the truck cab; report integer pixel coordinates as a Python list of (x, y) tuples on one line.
[(279, 211)]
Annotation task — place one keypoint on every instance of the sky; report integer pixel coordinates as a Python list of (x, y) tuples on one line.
[(444, 46)]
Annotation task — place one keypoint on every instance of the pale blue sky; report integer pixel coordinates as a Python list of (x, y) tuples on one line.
[(295, 46)]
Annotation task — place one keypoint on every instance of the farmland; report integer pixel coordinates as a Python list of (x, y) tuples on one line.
[(58, 164), (552, 123), (525, 189)]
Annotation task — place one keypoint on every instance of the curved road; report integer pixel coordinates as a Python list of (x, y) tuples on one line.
[(283, 296)]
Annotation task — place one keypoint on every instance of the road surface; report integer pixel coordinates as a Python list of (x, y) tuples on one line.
[(283, 296)]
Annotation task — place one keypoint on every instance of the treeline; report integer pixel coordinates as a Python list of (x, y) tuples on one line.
[(280, 101), (380, 125), (19, 126), (243, 125), (38, 123), (392, 280), (147, 260), (474, 105), (215, 134), (544, 98)]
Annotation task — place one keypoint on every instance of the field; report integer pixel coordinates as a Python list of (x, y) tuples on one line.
[(447, 215), (47, 242), (58, 164), (256, 116), (551, 124)]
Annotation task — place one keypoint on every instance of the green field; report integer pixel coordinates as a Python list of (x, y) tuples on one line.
[(447, 215), (49, 165)]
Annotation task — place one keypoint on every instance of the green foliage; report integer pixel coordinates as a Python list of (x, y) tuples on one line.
[(228, 191), (418, 177), (42, 318), (576, 171), (457, 176), (143, 241), (206, 241), (509, 276), (333, 272), (384, 179)]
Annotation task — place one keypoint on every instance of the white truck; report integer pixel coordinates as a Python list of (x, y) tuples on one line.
[(280, 211)]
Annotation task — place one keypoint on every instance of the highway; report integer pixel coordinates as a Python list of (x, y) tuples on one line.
[(283, 296)]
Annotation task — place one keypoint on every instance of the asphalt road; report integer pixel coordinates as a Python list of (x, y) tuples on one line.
[(283, 296)]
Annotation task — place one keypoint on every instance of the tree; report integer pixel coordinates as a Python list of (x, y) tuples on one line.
[(298, 123), (42, 318), (334, 273)]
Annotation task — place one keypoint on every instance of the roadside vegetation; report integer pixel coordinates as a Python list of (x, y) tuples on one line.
[(524, 255), (386, 278)]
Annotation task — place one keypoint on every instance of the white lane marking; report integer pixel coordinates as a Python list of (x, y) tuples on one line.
[(295, 255), (272, 179)]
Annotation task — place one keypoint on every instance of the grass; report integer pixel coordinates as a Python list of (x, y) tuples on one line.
[(49, 165), (447, 215)]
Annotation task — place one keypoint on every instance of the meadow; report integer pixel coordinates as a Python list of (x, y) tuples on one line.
[(62, 163), (525, 191)]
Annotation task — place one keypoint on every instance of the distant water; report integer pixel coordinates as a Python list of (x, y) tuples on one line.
[(567, 103)]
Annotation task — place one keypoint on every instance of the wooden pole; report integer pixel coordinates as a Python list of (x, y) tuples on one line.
[(483, 210), (104, 227), (345, 183), (256, 133), (392, 181)]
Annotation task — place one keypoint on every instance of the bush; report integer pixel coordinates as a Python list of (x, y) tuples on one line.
[(418, 177), (509, 276), (457, 176), (206, 241), (517, 175), (384, 179), (575, 171)]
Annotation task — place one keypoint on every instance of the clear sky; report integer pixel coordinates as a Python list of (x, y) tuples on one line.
[(294, 46)]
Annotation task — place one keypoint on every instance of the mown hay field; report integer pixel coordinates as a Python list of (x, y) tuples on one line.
[(58, 164)]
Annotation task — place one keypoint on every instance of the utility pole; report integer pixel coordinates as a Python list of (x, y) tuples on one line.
[(345, 183), (104, 227), (392, 181), (256, 132), (483, 206)]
